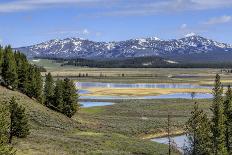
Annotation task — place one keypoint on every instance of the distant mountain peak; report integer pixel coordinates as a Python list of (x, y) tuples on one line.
[(80, 48)]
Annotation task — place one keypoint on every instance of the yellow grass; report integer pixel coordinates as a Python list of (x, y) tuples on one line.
[(141, 91)]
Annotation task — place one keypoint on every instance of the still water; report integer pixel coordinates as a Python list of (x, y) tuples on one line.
[(166, 96), (179, 141), (83, 85), (94, 104)]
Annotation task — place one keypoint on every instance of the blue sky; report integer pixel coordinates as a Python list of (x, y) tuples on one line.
[(27, 22)]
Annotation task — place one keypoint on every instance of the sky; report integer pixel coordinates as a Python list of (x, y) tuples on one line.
[(28, 22)]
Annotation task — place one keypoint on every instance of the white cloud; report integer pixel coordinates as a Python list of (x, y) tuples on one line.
[(120, 7), (70, 32), (23, 5), (218, 20), (183, 26)]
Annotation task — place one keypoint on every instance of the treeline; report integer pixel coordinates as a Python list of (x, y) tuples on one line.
[(212, 136), (18, 74), (139, 62)]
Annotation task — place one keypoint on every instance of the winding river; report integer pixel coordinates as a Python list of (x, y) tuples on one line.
[(83, 86), (179, 141)]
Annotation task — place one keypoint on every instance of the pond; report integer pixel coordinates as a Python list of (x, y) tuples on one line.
[(94, 104), (179, 141), (83, 85)]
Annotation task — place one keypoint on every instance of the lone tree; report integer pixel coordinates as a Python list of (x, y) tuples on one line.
[(218, 119), (193, 95), (228, 118), (19, 126), (169, 135), (198, 133), (5, 149)]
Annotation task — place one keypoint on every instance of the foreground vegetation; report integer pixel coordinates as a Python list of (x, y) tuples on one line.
[(212, 135), (53, 133)]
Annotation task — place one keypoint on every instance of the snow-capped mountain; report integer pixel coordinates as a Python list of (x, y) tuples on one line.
[(153, 46)]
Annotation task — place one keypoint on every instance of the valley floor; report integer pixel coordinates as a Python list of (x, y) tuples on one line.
[(123, 128)]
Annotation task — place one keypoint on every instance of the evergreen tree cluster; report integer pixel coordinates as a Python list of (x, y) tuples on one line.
[(17, 73), (212, 136), (61, 95)]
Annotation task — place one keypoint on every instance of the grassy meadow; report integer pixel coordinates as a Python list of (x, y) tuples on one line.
[(202, 76), (124, 128), (141, 118), (52, 133)]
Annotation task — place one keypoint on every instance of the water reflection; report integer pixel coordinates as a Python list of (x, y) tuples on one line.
[(166, 96), (179, 141), (94, 104), (83, 85)]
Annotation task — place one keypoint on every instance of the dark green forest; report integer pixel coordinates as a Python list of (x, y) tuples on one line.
[(139, 62)]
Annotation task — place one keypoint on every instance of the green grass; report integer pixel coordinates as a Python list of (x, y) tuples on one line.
[(52, 133), (140, 118)]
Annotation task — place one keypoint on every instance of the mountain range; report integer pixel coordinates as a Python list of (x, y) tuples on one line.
[(192, 48)]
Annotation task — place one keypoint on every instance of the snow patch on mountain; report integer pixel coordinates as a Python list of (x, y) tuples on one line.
[(153, 46)]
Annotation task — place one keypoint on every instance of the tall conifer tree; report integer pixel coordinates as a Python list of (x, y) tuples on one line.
[(38, 85), (19, 126), (1, 59), (48, 89), (5, 149), (228, 119), (70, 98), (31, 85), (9, 70), (218, 119), (199, 133), (22, 71), (58, 96)]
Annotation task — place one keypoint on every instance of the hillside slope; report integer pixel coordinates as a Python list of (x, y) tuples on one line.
[(54, 134)]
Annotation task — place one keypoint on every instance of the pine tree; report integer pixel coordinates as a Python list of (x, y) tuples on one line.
[(19, 126), (22, 71), (70, 98), (5, 149), (198, 133), (31, 85), (48, 89), (1, 59), (9, 70), (58, 96), (38, 85), (218, 119), (228, 118)]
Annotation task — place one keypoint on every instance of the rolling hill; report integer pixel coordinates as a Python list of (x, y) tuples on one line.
[(52, 133)]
